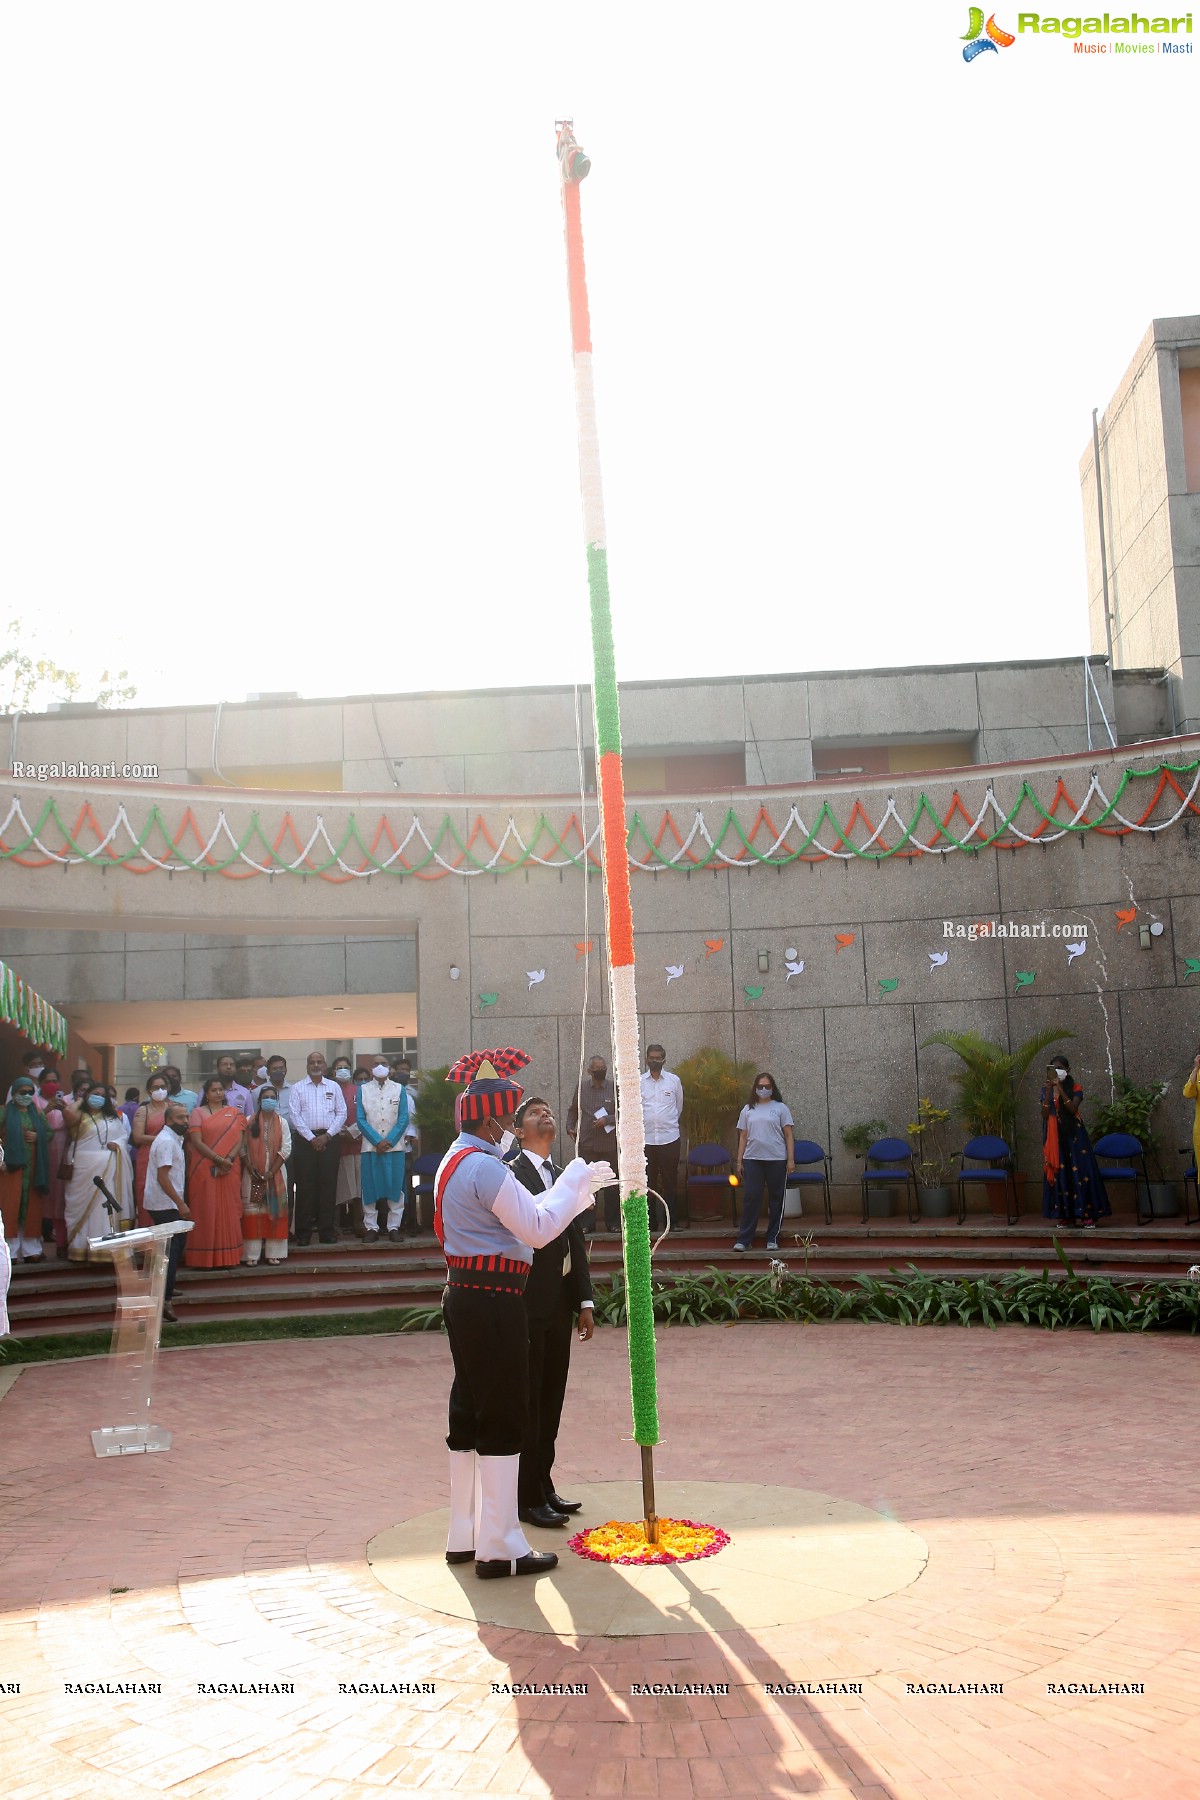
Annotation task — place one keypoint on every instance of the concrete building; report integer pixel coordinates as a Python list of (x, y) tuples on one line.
[(723, 734), (408, 867), (1143, 564)]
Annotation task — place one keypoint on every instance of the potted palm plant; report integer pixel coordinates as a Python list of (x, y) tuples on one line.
[(1131, 1109), (989, 1082), (715, 1087), (933, 1159)]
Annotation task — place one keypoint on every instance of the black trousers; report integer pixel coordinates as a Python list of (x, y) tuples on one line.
[(489, 1341), (662, 1174), (316, 1189), (608, 1198), (549, 1365), (165, 1216)]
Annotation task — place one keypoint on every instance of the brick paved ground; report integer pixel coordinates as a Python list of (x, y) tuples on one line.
[(1052, 1476)]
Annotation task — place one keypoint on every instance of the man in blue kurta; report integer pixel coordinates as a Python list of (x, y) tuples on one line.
[(382, 1116), (489, 1227)]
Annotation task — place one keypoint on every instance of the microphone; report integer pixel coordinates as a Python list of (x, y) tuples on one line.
[(111, 1204)]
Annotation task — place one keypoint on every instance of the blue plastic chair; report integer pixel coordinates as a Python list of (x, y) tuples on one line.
[(1120, 1157), (709, 1159), (888, 1161), (993, 1160), (424, 1169), (807, 1153)]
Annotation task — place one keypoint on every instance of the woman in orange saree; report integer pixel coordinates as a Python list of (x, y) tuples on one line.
[(214, 1186)]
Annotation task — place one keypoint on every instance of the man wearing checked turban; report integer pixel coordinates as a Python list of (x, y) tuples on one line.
[(489, 1227)]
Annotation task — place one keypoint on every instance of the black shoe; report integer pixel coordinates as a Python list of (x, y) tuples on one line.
[(459, 1556), (169, 1313), (541, 1515), (562, 1506), (396, 1236), (538, 1562)]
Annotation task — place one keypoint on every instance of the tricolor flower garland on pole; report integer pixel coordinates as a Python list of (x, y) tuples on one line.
[(618, 904)]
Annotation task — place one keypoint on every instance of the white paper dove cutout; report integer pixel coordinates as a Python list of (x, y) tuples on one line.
[(674, 971), (535, 975), (938, 959), (1074, 950), (794, 968)]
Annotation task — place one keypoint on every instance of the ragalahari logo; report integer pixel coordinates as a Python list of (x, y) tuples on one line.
[(975, 42)]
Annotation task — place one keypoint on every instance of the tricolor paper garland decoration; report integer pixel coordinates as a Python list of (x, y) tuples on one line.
[(356, 853), (21, 1006)]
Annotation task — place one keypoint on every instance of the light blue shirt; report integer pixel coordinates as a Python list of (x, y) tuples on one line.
[(469, 1226), (484, 1206)]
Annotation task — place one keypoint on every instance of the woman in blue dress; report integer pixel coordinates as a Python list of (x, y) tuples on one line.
[(1072, 1185)]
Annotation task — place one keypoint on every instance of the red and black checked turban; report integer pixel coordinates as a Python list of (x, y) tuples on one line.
[(491, 1095)]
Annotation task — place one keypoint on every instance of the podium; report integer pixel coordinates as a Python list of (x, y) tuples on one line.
[(134, 1352)]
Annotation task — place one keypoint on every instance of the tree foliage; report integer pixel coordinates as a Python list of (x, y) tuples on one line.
[(990, 1077), (30, 679)]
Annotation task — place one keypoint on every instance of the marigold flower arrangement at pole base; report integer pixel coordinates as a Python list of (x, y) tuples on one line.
[(679, 1540)]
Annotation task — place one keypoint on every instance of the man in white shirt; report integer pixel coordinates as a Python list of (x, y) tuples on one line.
[(317, 1115), (662, 1108), (164, 1195), (235, 1093)]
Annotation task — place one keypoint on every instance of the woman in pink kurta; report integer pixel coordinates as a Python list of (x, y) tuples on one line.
[(214, 1183)]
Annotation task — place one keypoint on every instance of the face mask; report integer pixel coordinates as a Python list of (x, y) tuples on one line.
[(158, 1093), (656, 1062), (270, 1103), (37, 1070), (401, 1076), (380, 1071), (341, 1073), (174, 1083), (23, 1099), (261, 1073), (96, 1101), (177, 1128), (763, 1093), (507, 1140), (1062, 1074)]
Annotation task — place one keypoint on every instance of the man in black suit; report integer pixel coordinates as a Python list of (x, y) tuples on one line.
[(559, 1286)]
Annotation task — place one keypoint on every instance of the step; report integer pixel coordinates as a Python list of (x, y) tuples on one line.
[(50, 1297)]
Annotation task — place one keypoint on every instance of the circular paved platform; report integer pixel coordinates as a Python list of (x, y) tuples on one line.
[(793, 1556), (1052, 1477)]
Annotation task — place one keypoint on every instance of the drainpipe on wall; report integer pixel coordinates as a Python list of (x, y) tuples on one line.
[(1103, 546)]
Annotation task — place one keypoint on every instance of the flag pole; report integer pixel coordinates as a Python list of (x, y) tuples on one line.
[(618, 903)]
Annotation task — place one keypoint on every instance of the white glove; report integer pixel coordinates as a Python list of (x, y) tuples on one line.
[(599, 1175)]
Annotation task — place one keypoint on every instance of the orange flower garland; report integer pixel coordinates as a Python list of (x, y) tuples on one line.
[(679, 1540)]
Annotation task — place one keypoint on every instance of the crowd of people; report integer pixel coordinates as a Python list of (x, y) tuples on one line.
[(254, 1161)]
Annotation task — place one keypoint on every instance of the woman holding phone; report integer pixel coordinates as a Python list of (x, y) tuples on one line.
[(1072, 1185)]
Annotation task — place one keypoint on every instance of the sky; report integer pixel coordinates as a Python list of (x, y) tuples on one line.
[(288, 401)]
